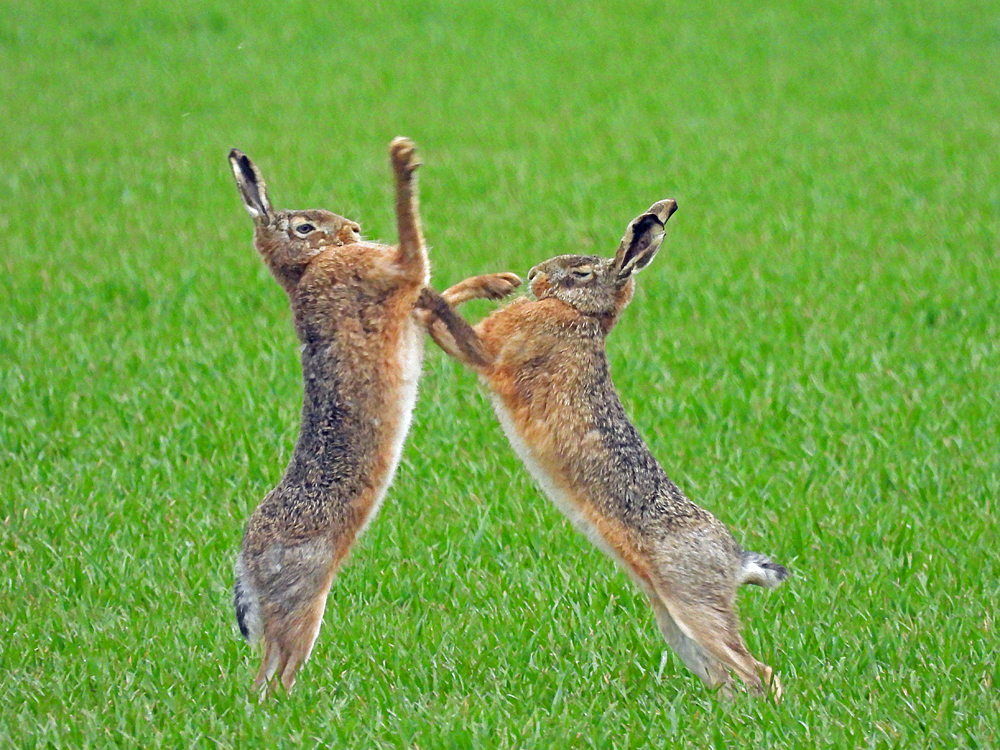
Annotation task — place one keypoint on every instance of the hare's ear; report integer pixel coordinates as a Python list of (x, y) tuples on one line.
[(251, 185), (642, 239)]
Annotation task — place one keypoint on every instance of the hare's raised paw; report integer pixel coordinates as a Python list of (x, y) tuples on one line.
[(489, 286), (403, 153), (499, 285)]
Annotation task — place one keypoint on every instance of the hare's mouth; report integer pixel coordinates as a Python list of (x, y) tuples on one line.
[(536, 277), (537, 284)]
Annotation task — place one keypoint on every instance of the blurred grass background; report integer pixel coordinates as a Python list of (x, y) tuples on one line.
[(813, 356)]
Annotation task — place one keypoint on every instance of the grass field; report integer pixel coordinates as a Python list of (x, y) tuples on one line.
[(814, 356)]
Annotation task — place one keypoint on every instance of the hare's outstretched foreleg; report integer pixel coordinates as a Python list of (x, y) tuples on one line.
[(489, 286), (403, 154), (450, 330)]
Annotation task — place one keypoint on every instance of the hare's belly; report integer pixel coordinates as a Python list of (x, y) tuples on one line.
[(581, 513), (404, 379)]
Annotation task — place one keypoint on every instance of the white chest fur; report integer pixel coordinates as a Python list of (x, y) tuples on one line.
[(409, 361)]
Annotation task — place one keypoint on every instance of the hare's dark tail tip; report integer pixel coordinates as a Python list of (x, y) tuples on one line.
[(759, 570), (247, 606), (242, 607)]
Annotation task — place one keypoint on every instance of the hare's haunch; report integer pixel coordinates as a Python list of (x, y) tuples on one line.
[(544, 364)]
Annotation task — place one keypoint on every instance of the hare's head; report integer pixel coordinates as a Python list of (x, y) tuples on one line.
[(602, 287), (287, 240)]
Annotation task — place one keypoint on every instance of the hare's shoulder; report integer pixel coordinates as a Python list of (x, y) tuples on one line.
[(351, 263), (540, 344), (538, 318), (363, 273)]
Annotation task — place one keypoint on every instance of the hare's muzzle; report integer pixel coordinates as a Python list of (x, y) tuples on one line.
[(536, 274)]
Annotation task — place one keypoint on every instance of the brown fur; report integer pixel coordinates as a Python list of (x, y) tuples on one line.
[(354, 305), (549, 379)]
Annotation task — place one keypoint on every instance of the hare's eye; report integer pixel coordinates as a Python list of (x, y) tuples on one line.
[(583, 273), (304, 229)]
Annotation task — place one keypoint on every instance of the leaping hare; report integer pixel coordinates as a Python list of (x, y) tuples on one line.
[(353, 304), (547, 374)]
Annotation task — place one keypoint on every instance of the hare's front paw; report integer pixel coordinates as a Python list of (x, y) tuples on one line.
[(488, 286), (403, 153), (499, 285)]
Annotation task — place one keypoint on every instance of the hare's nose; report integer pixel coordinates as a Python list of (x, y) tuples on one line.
[(532, 274)]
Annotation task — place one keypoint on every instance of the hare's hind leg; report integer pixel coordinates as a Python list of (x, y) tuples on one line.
[(273, 660), (303, 638), (293, 581)]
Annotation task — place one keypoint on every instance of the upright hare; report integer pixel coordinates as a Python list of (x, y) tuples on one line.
[(548, 378), (353, 304)]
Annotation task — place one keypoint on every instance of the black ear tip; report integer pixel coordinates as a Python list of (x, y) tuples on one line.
[(644, 224), (241, 161), (242, 165), (662, 210)]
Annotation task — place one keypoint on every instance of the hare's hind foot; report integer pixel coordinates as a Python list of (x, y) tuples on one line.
[(291, 606), (695, 657), (286, 652), (279, 666), (403, 153), (771, 682), (769, 685), (707, 638), (273, 661)]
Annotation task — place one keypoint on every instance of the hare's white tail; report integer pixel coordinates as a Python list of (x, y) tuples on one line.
[(759, 570), (247, 605)]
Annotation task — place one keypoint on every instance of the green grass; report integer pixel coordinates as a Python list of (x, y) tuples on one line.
[(814, 356)]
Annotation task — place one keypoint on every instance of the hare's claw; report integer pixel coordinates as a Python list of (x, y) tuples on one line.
[(403, 153)]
